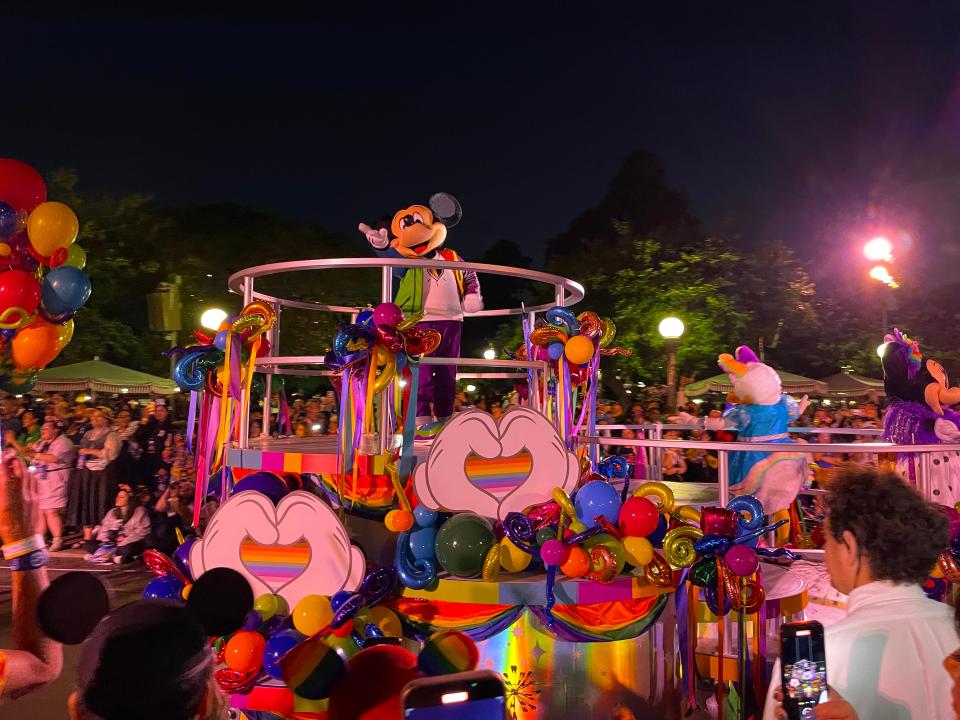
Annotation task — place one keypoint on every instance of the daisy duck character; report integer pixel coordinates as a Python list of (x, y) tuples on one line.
[(419, 232), (760, 413), (919, 414)]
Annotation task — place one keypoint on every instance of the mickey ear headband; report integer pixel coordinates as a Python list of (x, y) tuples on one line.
[(74, 604), (445, 208)]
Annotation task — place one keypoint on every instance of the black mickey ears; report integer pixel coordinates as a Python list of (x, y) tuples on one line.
[(75, 603), (446, 208), (72, 606)]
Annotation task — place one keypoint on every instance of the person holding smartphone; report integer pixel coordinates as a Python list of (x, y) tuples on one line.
[(885, 658)]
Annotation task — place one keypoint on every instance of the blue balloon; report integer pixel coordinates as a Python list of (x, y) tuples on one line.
[(278, 645), (597, 498), (364, 317), (339, 598), (424, 516), (414, 573), (164, 588), (749, 504), (401, 360), (181, 556), (264, 482), (65, 289), (555, 350), (656, 537), (220, 340), (423, 543), (9, 221)]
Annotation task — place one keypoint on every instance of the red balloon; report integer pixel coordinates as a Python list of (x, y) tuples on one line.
[(21, 186), (373, 684), (18, 288), (638, 517)]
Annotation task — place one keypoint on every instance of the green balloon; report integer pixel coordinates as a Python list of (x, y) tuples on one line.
[(20, 382), (704, 573), (76, 257), (544, 534), (462, 544), (611, 542)]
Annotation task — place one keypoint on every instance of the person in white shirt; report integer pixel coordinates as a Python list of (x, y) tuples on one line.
[(885, 659)]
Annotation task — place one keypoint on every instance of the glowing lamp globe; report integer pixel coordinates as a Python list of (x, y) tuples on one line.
[(489, 354), (671, 328), (212, 318), (880, 273), (879, 248), (880, 349)]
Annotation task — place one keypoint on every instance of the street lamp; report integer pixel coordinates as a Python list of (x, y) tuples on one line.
[(671, 329), (212, 318), (471, 388), (878, 249), (489, 354)]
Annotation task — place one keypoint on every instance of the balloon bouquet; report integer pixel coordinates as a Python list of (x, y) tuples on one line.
[(42, 283)]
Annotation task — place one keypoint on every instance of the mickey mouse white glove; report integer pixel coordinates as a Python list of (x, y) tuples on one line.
[(378, 238), (473, 303), (946, 430)]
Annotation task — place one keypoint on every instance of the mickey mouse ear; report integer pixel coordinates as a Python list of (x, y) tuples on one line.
[(446, 208), (72, 606), (220, 600)]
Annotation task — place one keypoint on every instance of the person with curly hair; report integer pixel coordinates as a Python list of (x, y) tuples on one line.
[(885, 658)]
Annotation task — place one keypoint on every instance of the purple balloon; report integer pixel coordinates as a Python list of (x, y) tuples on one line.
[(742, 560), (953, 517), (263, 482), (181, 556)]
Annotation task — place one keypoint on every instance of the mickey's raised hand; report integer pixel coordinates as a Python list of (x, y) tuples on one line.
[(379, 239)]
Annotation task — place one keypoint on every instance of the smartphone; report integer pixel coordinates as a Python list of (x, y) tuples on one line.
[(478, 695), (803, 662)]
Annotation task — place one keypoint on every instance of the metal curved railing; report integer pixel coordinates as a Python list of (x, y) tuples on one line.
[(566, 292)]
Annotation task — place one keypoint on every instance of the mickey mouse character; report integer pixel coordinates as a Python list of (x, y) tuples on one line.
[(419, 231), (919, 413)]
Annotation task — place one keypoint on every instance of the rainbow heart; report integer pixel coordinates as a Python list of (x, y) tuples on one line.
[(275, 565), (498, 476)]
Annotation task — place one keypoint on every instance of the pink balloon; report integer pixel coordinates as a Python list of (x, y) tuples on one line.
[(387, 314), (554, 552), (742, 560)]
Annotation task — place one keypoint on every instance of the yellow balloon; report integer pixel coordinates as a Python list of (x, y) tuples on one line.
[(387, 621), (639, 551), (678, 545), (659, 491), (387, 363), (52, 226), (269, 605), (512, 558), (312, 614)]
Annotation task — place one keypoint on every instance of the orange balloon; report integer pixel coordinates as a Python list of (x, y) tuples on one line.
[(577, 564), (244, 651), (37, 344)]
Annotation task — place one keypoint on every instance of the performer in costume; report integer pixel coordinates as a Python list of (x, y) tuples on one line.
[(419, 232), (919, 394), (761, 413)]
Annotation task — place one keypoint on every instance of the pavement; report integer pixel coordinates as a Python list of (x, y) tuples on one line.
[(50, 702)]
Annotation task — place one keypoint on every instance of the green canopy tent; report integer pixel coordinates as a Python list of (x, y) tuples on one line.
[(99, 376), (851, 385), (792, 384)]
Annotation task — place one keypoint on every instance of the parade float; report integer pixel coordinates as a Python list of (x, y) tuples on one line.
[(591, 591)]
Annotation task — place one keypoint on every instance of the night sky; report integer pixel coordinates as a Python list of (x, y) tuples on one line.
[(805, 121)]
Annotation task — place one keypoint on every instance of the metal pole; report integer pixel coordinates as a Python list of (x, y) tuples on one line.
[(247, 291), (534, 389), (244, 399), (386, 295), (723, 477), (273, 337)]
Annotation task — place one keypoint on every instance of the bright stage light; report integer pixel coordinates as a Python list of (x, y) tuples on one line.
[(489, 354), (212, 318), (471, 388), (878, 249), (880, 273)]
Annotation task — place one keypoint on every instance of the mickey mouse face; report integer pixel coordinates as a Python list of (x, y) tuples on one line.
[(494, 468), (417, 233), (294, 549)]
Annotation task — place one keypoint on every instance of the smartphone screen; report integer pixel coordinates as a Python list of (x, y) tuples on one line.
[(462, 696), (804, 667)]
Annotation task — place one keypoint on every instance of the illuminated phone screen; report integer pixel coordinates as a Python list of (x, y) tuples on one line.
[(478, 709), (804, 669)]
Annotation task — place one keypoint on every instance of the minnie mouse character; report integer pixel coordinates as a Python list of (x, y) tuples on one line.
[(919, 413), (418, 232)]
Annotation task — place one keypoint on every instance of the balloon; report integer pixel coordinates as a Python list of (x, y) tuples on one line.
[(555, 350), (678, 545), (37, 344), (398, 520), (270, 605), (424, 516), (579, 349), (387, 314), (265, 483), (710, 596), (415, 573), (181, 556), (953, 518), (608, 331), (750, 505), (597, 498), (312, 669), (512, 558), (9, 221), (603, 564), (612, 544), (577, 563), (276, 647), (656, 537), (544, 534), (65, 289), (658, 490), (521, 531), (741, 560), (21, 186), (387, 620), (563, 317), (20, 382), (352, 343), (387, 364), (491, 564), (312, 614), (719, 521), (704, 573), (448, 651), (52, 226), (19, 289), (166, 587), (639, 551), (712, 546), (364, 317), (244, 651), (423, 543), (389, 337), (638, 517), (545, 336), (658, 572), (418, 341), (462, 544), (220, 340), (590, 324), (554, 552), (76, 257)]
